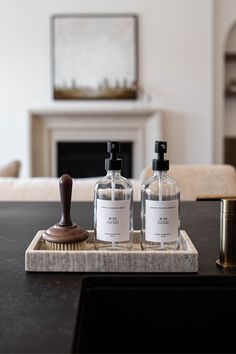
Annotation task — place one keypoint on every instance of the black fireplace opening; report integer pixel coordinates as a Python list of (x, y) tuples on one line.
[(87, 159)]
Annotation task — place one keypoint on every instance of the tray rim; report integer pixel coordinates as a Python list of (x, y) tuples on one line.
[(191, 248), (99, 261)]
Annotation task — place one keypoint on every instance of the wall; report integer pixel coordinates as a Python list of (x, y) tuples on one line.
[(225, 19), (230, 73), (175, 67)]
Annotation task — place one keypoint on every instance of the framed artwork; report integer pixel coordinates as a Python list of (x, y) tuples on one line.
[(94, 56)]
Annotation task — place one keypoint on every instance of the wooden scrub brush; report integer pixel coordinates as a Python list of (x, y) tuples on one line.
[(65, 235)]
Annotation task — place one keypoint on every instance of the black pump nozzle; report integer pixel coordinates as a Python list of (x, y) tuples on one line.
[(160, 164), (113, 147), (113, 163)]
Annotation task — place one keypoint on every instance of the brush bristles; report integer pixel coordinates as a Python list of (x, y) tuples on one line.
[(65, 246)]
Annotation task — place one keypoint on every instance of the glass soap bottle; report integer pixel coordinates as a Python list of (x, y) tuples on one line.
[(160, 199), (113, 206)]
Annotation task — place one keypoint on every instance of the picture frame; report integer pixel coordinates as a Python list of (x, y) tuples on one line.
[(94, 56)]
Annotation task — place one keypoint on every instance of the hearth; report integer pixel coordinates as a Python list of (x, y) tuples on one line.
[(87, 159), (131, 123)]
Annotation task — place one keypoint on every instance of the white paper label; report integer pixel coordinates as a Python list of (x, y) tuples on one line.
[(162, 220), (113, 220)]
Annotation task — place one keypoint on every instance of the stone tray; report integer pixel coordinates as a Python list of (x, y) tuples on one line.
[(38, 259)]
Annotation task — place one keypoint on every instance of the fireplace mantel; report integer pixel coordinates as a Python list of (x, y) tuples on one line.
[(139, 124)]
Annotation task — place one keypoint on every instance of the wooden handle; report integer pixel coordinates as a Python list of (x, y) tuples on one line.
[(65, 183)]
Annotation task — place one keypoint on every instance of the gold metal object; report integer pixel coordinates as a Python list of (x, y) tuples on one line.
[(227, 257)]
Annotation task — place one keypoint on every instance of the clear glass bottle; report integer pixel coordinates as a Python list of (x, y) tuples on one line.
[(160, 201), (113, 206)]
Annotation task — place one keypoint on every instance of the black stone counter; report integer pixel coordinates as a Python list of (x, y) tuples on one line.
[(38, 311)]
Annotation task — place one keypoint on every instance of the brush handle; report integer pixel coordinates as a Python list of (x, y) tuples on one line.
[(65, 183)]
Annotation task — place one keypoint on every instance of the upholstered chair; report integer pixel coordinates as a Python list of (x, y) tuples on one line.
[(201, 181)]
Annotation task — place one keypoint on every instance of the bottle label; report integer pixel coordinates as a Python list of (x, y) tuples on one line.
[(113, 220), (162, 221)]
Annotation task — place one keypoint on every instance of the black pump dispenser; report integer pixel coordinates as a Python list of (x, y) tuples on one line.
[(160, 164), (113, 147)]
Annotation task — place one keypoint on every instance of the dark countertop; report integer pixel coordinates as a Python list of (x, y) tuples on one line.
[(39, 310)]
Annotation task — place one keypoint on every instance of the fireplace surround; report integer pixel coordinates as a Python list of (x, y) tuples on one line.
[(87, 159), (49, 126)]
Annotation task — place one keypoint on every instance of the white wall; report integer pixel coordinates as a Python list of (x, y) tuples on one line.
[(230, 42), (175, 67), (225, 19), (230, 74)]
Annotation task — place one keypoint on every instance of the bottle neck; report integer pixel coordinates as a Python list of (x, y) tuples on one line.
[(113, 173), (160, 173)]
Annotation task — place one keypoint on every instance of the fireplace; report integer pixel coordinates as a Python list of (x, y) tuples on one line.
[(130, 123), (87, 159)]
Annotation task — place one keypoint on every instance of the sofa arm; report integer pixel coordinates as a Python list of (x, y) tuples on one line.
[(47, 189)]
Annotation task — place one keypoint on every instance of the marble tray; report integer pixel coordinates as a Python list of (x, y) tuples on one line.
[(38, 259)]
